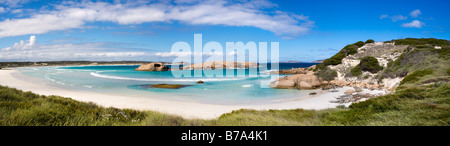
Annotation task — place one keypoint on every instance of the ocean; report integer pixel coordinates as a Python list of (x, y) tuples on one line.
[(123, 80)]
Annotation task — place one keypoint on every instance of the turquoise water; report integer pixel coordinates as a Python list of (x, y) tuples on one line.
[(123, 80)]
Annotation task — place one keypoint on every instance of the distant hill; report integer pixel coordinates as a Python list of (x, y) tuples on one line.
[(318, 61), (291, 61), (65, 63)]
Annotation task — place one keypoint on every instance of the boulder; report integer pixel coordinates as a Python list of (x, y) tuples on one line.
[(341, 83), (285, 84), (304, 85), (310, 79), (152, 67), (312, 93), (357, 89), (349, 91), (300, 81)]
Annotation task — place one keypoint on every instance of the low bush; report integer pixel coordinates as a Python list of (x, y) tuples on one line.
[(370, 64), (326, 74), (369, 41), (356, 71), (359, 44), (416, 75)]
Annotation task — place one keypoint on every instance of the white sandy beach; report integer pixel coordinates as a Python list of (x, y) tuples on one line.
[(181, 108)]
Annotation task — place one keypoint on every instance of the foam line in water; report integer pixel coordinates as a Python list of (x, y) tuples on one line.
[(96, 74)]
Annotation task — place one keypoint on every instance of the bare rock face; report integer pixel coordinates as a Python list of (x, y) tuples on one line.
[(152, 67), (304, 85), (286, 84), (299, 81), (349, 91)]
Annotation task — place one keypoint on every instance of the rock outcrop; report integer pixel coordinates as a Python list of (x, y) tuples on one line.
[(152, 67), (299, 81), (221, 65), (296, 70)]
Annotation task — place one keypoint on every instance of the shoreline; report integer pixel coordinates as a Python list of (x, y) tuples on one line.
[(185, 109)]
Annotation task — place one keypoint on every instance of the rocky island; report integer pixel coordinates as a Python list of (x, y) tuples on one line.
[(158, 66), (221, 65)]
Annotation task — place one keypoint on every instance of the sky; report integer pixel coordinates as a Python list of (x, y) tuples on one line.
[(145, 30)]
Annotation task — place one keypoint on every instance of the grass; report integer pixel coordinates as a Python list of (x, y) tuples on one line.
[(416, 75)]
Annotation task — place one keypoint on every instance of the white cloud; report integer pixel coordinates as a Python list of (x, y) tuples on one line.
[(14, 3), (76, 15), (415, 24), (30, 50), (22, 45), (384, 16), (415, 13), (2, 10), (394, 18), (398, 17)]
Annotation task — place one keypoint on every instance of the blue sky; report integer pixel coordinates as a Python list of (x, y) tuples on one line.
[(32, 30)]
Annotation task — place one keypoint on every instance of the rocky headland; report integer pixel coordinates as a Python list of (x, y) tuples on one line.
[(368, 69)]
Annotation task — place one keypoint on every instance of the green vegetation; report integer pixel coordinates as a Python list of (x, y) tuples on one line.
[(429, 44), (359, 44), (421, 55), (347, 50), (356, 71), (369, 41), (416, 75), (370, 64), (325, 73), (421, 42), (26, 108)]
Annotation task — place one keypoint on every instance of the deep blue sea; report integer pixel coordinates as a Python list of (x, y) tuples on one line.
[(123, 80)]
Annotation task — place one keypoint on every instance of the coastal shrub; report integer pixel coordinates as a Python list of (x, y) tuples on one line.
[(448, 71), (356, 71), (334, 60), (344, 52), (326, 74), (370, 64), (359, 44), (422, 41), (349, 50), (416, 75), (369, 41)]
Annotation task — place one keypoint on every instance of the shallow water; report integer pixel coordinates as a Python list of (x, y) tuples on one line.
[(123, 80)]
